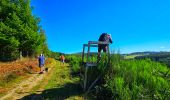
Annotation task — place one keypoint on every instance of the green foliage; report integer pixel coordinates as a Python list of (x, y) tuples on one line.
[(162, 57), (137, 79), (10, 49), (75, 62), (54, 55), (20, 31), (103, 64), (130, 79)]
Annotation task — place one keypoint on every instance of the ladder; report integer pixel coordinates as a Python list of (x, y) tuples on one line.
[(87, 64)]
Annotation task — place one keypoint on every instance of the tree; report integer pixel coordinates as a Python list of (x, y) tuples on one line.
[(20, 30)]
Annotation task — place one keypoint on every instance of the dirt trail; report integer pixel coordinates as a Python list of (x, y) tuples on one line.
[(24, 88), (57, 83)]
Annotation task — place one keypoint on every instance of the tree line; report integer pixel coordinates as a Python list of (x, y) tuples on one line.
[(162, 57), (20, 31)]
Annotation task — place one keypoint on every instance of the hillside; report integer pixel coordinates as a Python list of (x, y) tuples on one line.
[(162, 57)]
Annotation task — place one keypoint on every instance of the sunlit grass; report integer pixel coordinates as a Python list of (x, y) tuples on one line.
[(138, 79), (62, 85)]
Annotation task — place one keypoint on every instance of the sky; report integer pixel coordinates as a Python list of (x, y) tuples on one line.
[(135, 25)]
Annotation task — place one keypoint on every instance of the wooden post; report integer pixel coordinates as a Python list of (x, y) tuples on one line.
[(86, 70), (85, 78), (88, 52), (93, 83), (27, 54), (20, 53), (83, 53), (82, 65)]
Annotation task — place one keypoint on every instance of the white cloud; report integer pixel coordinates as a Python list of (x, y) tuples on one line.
[(162, 47)]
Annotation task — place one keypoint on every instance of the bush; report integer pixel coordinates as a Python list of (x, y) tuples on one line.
[(74, 62), (8, 49), (132, 79), (138, 79)]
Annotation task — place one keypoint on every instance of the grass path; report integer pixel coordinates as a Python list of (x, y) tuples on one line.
[(57, 84), (62, 85)]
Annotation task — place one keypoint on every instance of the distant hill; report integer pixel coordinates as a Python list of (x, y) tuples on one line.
[(148, 52), (134, 53), (163, 57)]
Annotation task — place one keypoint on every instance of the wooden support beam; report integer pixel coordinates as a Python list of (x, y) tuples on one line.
[(86, 69), (83, 53), (85, 79), (88, 52), (88, 64), (91, 45), (97, 42), (94, 82)]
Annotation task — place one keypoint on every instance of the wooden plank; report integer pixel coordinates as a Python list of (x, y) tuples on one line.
[(94, 82), (88, 52), (91, 45), (91, 64), (85, 79), (83, 53), (97, 42), (85, 44)]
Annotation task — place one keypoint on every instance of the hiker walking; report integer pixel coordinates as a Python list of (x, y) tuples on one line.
[(62, 58), (41, 60), (104, 37)]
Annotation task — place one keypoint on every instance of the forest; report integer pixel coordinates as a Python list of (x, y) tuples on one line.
[(20, 31)]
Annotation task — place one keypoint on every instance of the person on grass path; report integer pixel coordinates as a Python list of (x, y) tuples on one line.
[(62, 58), (41, 60), (104, 37)]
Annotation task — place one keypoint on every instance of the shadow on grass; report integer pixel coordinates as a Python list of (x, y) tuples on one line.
[(61, 93)]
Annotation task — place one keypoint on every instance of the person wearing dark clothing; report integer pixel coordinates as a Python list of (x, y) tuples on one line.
[(41, 60), (104, 37)]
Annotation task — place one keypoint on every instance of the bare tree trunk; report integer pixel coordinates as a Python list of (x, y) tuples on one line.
[(27, 54), (20, 55)]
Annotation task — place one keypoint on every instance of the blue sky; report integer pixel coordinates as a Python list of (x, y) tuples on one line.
[(135, 25)]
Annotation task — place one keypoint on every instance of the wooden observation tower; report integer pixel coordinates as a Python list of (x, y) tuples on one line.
[(86, 65)]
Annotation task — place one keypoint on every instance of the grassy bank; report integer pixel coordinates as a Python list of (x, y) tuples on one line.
[(134, 80), (13, 73)]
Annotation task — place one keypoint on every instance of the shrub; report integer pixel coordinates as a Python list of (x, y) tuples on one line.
[(74, 62), (132, 79), (137, 79)]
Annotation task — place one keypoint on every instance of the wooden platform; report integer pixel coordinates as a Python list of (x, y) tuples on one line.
[(89, 64), (84, 75)]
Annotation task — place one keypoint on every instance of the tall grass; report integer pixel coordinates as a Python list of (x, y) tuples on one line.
[(74, 62), (127, 79), (137, 79)]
